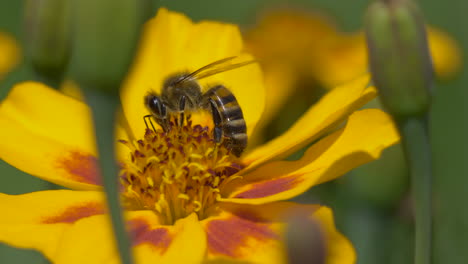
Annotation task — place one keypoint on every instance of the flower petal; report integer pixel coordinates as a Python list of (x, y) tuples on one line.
[(446, 54), (342, 60), (38, 220), (123, 131), (328, 112), (186, 236), (283, 60), (345, 57), (10, 53), (280, 81), (48, 135), (307, 33), (254, 234), (90, 241), (71, 88), (363, 138), (174, 44), (242, 237)]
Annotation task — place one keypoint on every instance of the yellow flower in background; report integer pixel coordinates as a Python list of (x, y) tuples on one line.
[(9, 54), (290, 37), (346, 57), (313, 45), (283, 41), (186, 199)]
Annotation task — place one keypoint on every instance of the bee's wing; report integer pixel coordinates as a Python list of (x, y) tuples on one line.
[(224, 68), (216, 67)]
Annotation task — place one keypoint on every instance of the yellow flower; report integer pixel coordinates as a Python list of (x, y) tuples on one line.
[(9, 54), (187, 199), (320, 51)]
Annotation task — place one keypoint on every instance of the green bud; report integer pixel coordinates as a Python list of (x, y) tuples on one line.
[(105, 36), (305, 240), (47, 28), (399, 57)]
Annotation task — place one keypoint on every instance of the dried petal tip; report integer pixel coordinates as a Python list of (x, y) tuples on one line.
[(399, 57)]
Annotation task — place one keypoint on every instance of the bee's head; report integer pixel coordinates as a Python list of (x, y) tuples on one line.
[(158, 109), (155, 105)]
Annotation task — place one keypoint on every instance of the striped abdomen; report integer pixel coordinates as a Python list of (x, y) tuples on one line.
[(228, 118)]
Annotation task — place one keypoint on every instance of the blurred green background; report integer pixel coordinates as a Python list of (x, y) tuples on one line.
[(372, 203)]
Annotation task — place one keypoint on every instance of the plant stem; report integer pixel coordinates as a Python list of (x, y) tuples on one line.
[(104, 106), (415, 140)]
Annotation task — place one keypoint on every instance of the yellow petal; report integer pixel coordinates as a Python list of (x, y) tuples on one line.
[(342, 60), (38, 220), (57, 132), (345, 57), (48, 135), (243, 238), (339, 249), (70, 88), (9, 53), (171, 44), (446, 54), (363, 138), (285, 36), (188, 237), (87, 241), (123, 131), (255, 234), (328, 112), (280, 81), (283, 59), (91, 241)]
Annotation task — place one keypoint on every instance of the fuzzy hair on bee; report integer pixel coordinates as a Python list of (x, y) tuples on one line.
[(182, 93)]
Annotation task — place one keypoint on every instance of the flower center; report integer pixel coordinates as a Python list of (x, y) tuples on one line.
[(177, 173)]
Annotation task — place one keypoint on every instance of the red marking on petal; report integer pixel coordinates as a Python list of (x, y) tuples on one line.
[(81, 167), (231, 236), (271, 187), (141, 233), (74, 213)]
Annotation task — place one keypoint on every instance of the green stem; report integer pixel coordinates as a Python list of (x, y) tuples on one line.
[(415, 140), (103, 107)]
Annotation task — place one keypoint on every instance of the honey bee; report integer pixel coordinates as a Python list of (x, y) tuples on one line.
[(182, 93)]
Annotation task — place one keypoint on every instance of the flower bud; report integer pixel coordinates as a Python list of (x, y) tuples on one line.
[(399, 57), (105, 36), (305, 240), (47, 28)]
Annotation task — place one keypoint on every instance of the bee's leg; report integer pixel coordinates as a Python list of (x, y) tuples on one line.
[(151, 122), (218, 129), (162, 118), (182, 110)]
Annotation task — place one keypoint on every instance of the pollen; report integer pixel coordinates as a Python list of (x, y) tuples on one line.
[(176, 173)]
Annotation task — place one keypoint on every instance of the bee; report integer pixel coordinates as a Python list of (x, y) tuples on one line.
[(182, 93)]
